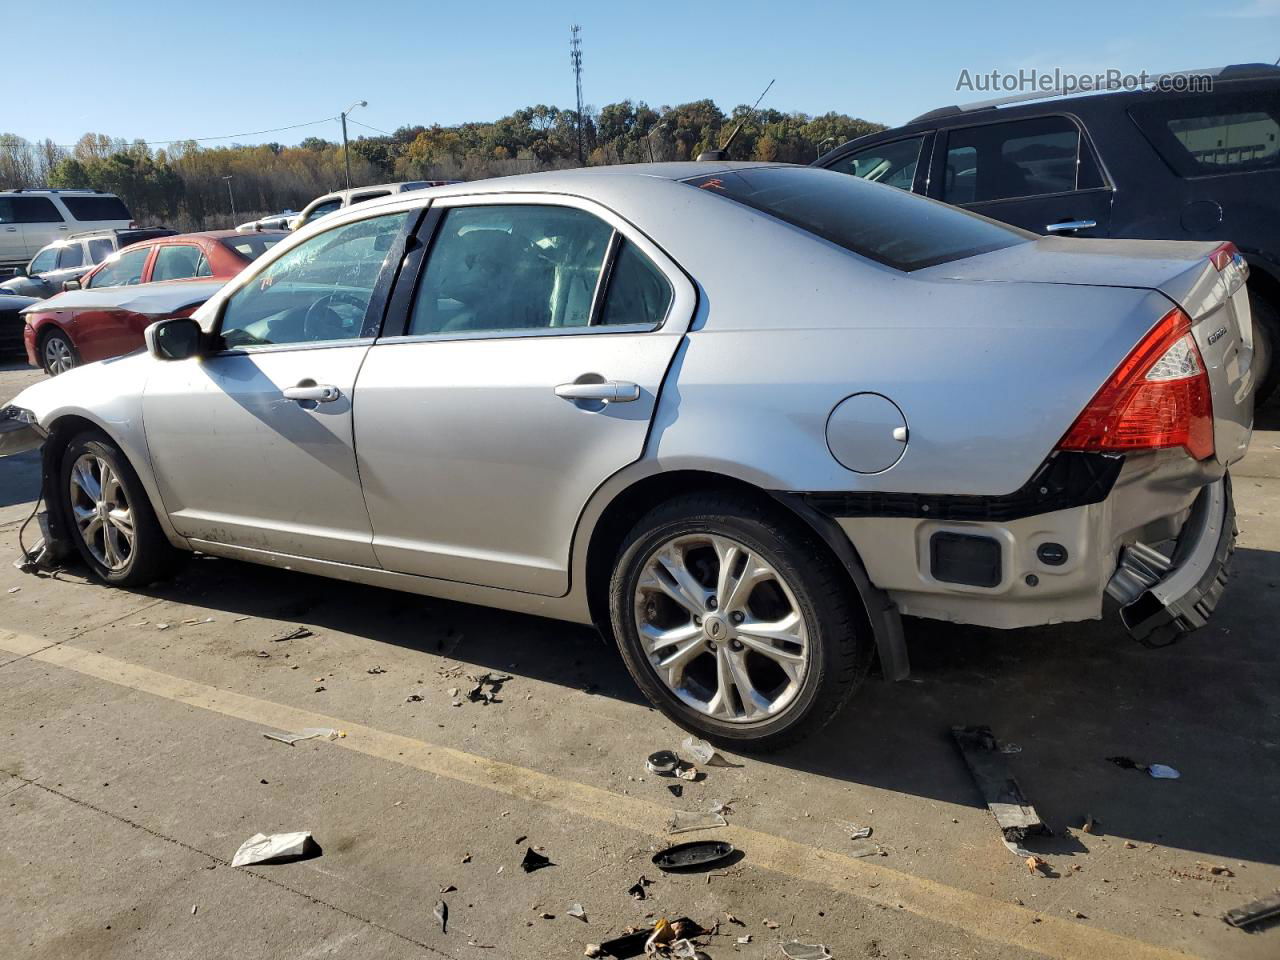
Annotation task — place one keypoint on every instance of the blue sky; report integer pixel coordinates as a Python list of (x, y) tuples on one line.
[(170, 70)]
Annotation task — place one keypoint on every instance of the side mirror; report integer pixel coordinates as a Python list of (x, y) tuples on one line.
[(70, 285), (177, 339)]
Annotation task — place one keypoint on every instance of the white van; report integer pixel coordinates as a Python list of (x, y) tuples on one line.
[(31, 219)]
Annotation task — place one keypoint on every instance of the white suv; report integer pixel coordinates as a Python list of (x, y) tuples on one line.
[(30, 219)]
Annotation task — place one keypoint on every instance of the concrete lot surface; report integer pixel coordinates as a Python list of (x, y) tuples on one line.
[(133, 765)]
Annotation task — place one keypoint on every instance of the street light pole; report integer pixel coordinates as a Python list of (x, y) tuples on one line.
[(346, 155), (232, 198)]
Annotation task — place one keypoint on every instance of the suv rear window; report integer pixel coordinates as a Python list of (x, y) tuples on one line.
[(1217, 134), (97, 208), (251, 245), (902, 230)]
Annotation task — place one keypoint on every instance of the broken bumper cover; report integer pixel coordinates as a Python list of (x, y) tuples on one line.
[(19, 431), (1185, 597)]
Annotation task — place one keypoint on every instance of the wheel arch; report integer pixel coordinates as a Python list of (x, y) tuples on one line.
[(877, 613)]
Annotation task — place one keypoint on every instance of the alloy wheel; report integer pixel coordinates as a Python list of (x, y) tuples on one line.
[(721, 628), (101, 511), (58, 357)]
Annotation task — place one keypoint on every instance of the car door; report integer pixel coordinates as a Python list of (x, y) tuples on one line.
[(252, 443), (13, 246), (902, 163), (41, 221), (103, 331), (1039, 174), (520, 372)]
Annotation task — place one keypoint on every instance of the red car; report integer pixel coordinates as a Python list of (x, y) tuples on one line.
[(103, 315)]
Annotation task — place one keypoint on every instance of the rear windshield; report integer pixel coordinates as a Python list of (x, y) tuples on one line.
[(97, 208), (250, 246), (882, 223)]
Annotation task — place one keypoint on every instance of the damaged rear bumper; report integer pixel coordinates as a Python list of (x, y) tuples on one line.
[(1161, 599), (19, 431)]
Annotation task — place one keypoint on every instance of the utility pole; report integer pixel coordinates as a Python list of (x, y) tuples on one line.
[(346, 154), (232, 198), (575, 58)]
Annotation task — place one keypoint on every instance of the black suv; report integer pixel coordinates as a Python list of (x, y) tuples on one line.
[(1134, 163)]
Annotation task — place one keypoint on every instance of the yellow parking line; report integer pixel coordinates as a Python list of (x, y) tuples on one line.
[(992, 920)]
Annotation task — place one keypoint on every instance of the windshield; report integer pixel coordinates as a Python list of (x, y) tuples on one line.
[(882, 223)]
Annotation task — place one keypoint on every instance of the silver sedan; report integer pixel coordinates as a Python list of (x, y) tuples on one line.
[(741, 417)]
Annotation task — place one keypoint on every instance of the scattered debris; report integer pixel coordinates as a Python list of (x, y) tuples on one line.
[(677, 789), (806, 951), (442, 915), (663, 933), (297, 633), (493, 681), (745, 939), (687, 771), (866, 848), (1090, 824), (683, 821), (705, 754), (627, 945), (448, 888), (546, 916), (466, 858), (771, 924), (1217, 869), (413, 698), (263, 655), (1130, 845), (1036, 865), (698, 855), (319, 689), (860, 833), (1015, 815), (14, 589), (592, 950), (722, 807), (375, 670), (162, 626), (1010, 748), (454, 691), (684, 950), (577, 912), (1158, 770), (734, 920), (193, 909), (1253, 912), (261, 848), (663, 763), (309, 733), (636, 890), (534, 861), (521, 839), (1076, 914)]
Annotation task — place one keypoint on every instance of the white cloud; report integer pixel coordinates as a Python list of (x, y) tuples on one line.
[(1257, 9)]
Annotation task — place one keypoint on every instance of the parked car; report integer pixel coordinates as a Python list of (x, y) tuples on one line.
[(30, 219), (278, 221), (557, 394), (1134, 163), (11, 323), (331, 202), (72, 258), (84, 325)]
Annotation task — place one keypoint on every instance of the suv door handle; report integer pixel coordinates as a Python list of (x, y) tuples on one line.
[(1069, 226), (320, 393), (610, 391)]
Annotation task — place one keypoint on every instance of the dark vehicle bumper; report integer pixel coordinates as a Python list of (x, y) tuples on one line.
[(18, 431), (12, 327), (1185, 597)]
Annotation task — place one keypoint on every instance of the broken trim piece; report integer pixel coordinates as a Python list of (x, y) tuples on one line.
[(1003, 795)]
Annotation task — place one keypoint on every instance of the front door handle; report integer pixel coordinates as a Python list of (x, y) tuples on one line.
[(1070, 226), (610, 391), (319, 392)]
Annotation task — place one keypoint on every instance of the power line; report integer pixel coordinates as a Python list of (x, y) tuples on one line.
[(230, 136), (368, 127)]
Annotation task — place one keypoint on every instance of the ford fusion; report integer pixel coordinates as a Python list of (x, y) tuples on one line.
[(741, 417)]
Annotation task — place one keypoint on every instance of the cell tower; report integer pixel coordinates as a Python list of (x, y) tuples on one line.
[(575, 58)]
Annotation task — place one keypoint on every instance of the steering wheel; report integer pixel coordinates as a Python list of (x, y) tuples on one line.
[(322, 322)]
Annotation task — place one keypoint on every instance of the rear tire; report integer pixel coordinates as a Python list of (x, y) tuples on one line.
[(765, 665), (1266, 334), (109, 515), (57, 353)]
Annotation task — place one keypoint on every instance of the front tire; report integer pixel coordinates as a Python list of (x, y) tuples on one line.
[(109, 515), (735, 621), (57, 353)]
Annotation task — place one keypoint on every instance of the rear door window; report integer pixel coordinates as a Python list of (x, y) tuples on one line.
[(177, 261), (892, 163), (35, 210), (1205, 135), (1021, 158), (72, 255), (100, 248)]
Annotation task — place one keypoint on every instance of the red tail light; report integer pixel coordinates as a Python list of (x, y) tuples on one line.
[(1159, 397)]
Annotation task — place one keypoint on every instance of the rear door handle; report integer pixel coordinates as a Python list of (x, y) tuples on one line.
[(1068, 226), (319, 392), (610, 391)]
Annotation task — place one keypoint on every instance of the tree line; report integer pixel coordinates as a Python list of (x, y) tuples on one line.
[(185, 185)]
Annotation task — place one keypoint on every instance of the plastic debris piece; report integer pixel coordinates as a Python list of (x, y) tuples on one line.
[(442, 915), (194, 907), (636, 890), (677, 789), (261, 848), (1254, 912), (14, 589), (297, 633), (577, 912), (687, 771), (413, 698), (534, 861), (662, 934), (864, 848), (698, 855), (162, 626), (1162, 772), (806, 951), (704, 753), (771, 924), (309, 733), (375, 670), (683, 821), (663, 763), (1014, 813), (683, 950), (448, 888), (860, 833), (627, 945), (1010, 748), (745, 939)]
